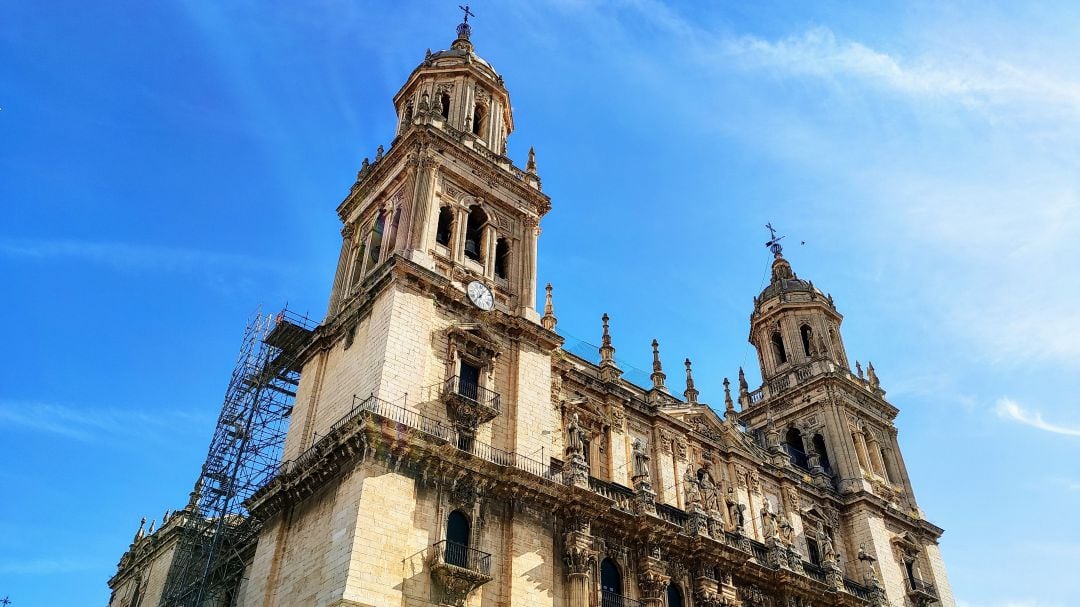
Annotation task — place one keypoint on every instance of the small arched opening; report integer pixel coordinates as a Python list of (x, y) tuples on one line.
[(795, 447), (674, 595), (479, 120), (610, 583), (444, 105), (474, 233), (807, 335), (407, 114), (778, 347), (376, 241), (445, 228), (502, 258), (457, 539), (823, 453)]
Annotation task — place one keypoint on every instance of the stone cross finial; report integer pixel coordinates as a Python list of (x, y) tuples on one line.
[(548, 320), (657, 376), (691, 393)]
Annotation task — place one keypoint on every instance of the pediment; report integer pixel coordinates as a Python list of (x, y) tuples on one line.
[(705, 421)]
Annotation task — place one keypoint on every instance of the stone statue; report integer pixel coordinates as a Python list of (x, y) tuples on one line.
[(787, 532), (870, 574), (709, 489), (574, 438), (735, 510), (641, 461), (768, 522), (828, 551), (690, 490)]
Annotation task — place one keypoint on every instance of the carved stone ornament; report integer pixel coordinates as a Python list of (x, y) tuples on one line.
[(680, 449)]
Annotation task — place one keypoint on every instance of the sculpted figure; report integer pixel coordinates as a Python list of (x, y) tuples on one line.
[(708, 487), (786, 532), (690, 489), (573, 443), (828, 551), (735, 510), (641, 461), (768, 522)]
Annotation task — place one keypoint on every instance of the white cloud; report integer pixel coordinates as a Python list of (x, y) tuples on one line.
[(90, 424), (1009, 409), (818, 52)]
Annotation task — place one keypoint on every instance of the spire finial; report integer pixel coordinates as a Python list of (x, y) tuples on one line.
[(691, 393), (657, 376), (140, 533), (195, 496), (774, 241), (530, 166), (871, 375), (548, 321), (729, 405), (609, 371)]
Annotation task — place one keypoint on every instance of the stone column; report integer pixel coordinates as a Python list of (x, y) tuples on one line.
[(901, 468), (457, 243), (489, 250), (340, 277), (528, 274), (652, 581), (580, 560), (875, 454), (420, 208)]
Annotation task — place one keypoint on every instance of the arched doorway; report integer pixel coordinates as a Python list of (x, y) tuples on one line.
[(674, 596), (457, 539), (610, 584)]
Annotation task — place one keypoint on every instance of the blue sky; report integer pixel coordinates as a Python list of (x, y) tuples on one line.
[(167, 167)]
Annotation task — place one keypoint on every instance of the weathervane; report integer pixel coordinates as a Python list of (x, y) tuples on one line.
[(774, 240)]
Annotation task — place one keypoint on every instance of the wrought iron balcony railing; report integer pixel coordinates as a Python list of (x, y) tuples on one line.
[(459, 555), (920, 587), (612, 599), (472, 391)]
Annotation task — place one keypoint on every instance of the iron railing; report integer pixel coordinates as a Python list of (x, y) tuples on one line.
[(922, 587), (612, 599), (474, 392), (460, 555)]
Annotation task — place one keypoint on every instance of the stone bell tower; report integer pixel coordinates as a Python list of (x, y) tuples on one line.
[(835, 429)]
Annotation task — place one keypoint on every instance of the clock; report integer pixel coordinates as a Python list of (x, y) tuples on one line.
[(481, 295)]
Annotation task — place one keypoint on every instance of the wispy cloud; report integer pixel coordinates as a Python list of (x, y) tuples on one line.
[(819, 53), (1009, 409), (90, 424), (135, 257)]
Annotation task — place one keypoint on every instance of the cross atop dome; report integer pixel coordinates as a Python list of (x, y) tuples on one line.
[(464, 30)]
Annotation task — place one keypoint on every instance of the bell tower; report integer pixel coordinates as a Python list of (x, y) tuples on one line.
[(833, 428)]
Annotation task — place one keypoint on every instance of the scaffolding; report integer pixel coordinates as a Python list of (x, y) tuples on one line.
[(218, 533)]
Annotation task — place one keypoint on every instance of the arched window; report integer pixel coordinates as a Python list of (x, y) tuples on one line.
[(457, 539), (885, 466), (795, 448), (778, 346), (823, 453), (357, 265), (474, 233), (444, 105), (502, 258), (479, 120), (674, 596), (807, 335), (375, 244), (610, 583), (445, 228), (391, 240)]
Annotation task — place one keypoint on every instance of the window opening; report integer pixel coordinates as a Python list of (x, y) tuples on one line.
[(795, 448), (375, 244), (446, 226), (478, 124), (408, 114), (674, 596), (469, 380), (610, 581), (502, 258), (813, 552), (807, 335), (444, 102), (778, 346), (474, 232), (823, 453), (457, 539)]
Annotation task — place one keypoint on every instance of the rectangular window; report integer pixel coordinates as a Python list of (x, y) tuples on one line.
[(469, 380), (812, 551)]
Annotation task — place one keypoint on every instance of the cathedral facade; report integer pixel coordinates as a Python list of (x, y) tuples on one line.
[(444, 449)]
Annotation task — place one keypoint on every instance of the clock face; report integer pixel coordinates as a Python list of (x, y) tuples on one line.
[(481, 296)]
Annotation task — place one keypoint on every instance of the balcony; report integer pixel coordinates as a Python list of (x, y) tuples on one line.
[(611, 599), (922, 593), (469, 404), (459, 570)]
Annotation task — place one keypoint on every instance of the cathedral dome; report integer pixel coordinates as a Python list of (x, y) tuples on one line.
[(784, 280)]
